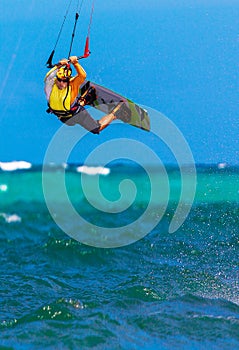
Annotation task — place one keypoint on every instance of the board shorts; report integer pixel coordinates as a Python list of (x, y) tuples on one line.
[(83, 118)]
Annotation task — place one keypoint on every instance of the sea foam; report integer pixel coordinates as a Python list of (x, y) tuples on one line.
[(15, 165)]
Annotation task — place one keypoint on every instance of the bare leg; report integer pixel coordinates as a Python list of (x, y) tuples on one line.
[(106, 120)]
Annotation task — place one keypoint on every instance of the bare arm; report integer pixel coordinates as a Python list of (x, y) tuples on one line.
[(81, 74), (78, 80)]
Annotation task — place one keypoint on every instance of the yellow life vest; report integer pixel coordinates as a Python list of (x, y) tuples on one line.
[(58, 100)]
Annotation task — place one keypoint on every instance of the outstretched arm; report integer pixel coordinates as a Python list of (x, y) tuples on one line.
[(81, 74), (77, 80), (49, 81)]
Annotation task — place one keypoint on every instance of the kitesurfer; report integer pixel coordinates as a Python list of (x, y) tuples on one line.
[(62, 94)]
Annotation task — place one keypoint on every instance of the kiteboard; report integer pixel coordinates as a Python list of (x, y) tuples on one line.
[(106, 100)]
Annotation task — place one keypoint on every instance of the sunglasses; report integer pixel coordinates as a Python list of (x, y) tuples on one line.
[(64, 80)]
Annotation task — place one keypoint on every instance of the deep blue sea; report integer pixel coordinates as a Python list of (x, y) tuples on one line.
[(175, 290)]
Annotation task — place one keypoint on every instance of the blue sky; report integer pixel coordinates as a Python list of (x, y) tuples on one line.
[(180, 58)]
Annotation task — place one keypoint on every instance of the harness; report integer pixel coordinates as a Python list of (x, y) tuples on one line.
[(75, 108), (87, 94)]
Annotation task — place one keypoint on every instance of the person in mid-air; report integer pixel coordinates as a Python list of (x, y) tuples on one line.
[(62, 93)]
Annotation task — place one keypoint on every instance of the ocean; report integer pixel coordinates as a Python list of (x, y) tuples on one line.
[(159, 290)]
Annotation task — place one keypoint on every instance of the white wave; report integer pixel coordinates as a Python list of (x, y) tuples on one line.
[(15, 165), (3, 188), (222, 165), (99, 170), (9, 218)]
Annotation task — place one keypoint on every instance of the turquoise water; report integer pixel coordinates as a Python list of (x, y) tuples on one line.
[(165, 291)]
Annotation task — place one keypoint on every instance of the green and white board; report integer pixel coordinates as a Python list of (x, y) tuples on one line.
[(107, 99)]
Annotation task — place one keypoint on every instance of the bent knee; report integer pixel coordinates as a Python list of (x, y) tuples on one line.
[(96, 130)]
